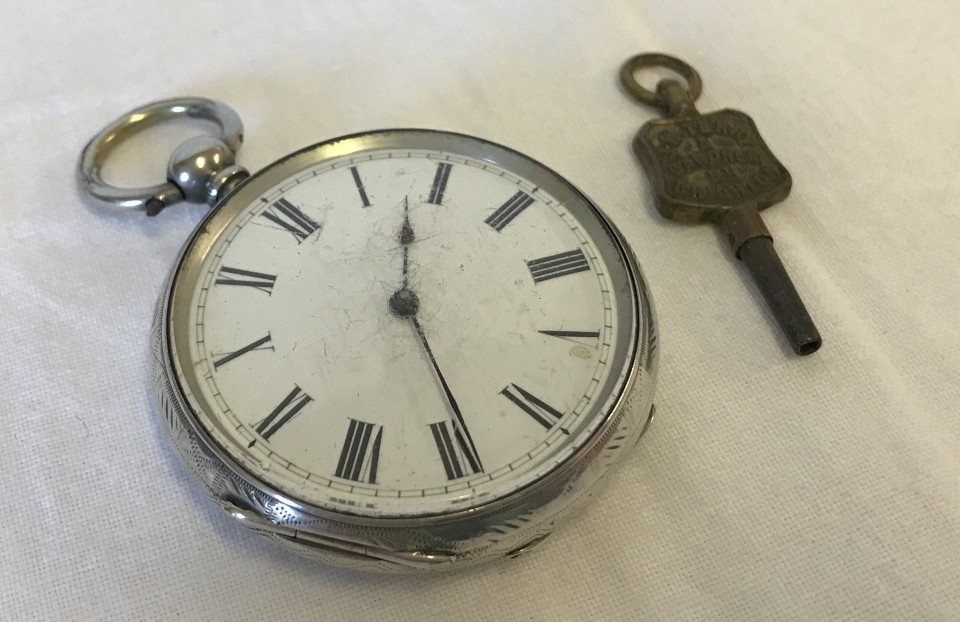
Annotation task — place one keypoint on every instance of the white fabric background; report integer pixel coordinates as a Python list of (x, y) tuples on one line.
[(770, 487)]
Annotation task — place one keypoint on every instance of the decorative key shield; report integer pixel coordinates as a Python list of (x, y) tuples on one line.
[(704, 164)]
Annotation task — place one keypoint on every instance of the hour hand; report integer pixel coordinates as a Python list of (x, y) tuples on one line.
[(404, 301), (406, 238), (406, 235)]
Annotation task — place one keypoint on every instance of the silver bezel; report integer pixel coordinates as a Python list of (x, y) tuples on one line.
[(501, 527)]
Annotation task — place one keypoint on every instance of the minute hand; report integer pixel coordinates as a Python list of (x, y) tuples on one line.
[(460, 427)]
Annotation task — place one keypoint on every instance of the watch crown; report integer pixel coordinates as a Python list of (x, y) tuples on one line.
[(204, 168)]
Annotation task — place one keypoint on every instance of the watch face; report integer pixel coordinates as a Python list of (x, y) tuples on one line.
[(403, 323)]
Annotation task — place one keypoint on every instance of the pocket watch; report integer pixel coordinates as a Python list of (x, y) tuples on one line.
[(396, 350)]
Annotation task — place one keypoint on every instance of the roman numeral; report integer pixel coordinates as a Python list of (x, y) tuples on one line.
[(289, 216), (259, 344), (509, 210), (439, 183), (256, 280), (359, 182), (284, 412), (543, 413), (356, 463), (456, 458), (572, 334), (561, 264)]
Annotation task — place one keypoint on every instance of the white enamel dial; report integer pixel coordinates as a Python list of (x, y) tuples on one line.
[(405, 332)]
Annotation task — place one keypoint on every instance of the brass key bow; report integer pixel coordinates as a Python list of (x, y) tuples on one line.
[(715, 168)]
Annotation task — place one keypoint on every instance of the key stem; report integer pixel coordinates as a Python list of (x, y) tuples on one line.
[(753, 245)]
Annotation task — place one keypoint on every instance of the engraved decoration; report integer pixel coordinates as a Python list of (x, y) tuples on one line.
[(712, 160)]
